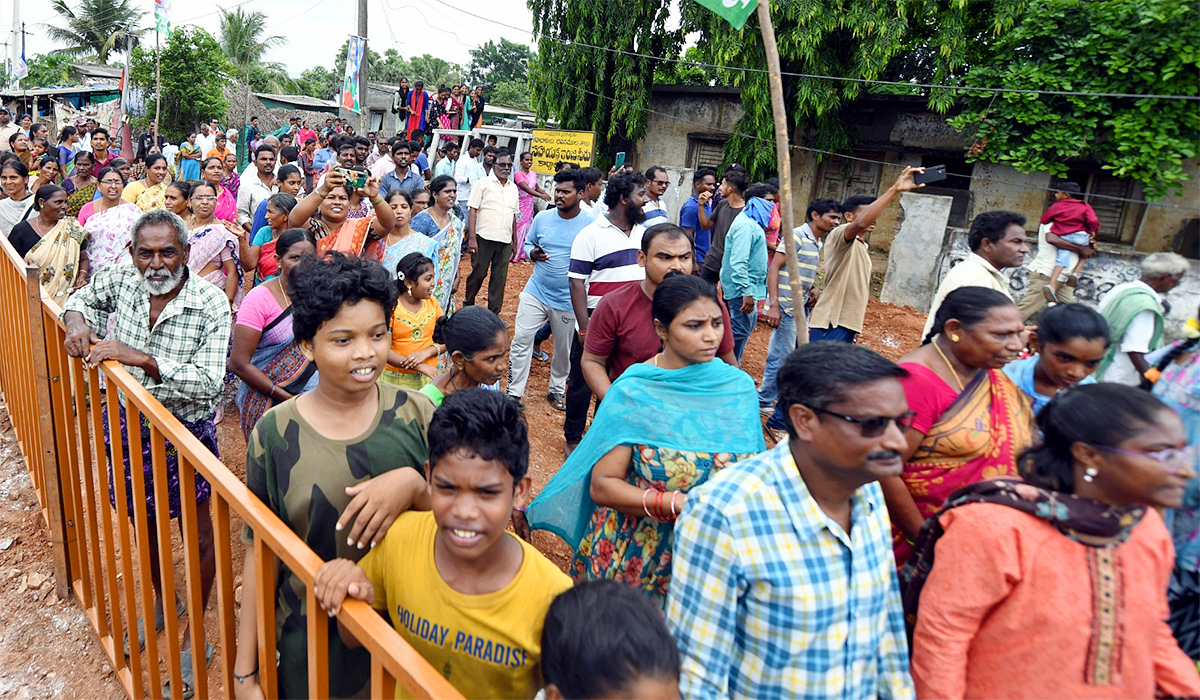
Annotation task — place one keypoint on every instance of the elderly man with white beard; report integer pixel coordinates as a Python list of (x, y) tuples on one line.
[(170, 329)]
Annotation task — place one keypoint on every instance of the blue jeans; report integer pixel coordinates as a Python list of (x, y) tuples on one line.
[(783, 342), (1062, 256), (742, 325), (837, 334)]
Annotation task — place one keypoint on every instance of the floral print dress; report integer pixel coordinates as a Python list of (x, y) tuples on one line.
[(637, 551)]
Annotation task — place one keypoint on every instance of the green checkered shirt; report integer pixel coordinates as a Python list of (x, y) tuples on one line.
[(190, 341)]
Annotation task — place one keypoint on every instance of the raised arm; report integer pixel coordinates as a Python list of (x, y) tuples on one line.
[(862, 222)]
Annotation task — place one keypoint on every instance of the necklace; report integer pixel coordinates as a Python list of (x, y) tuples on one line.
[(947, 361)]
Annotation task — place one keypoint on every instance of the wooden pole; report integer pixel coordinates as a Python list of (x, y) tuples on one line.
[(363, 112), (157, 87), (784, 156)]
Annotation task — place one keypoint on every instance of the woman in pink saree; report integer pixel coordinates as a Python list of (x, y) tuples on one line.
[(212, 171), (213, 245), (527, 191)]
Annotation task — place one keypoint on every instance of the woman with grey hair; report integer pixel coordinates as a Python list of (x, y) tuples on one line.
[(1134, 312)]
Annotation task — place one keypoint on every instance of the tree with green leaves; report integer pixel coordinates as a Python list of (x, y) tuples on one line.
[(319, 82), (1117, 46), (244, 45), (194, 73), (594, 90), (95, 29), (49, 70), (434, 71), (495, 63)]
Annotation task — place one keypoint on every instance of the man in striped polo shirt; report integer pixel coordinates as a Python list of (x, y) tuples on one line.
[(657, 182), (604, 257), (821, 217)]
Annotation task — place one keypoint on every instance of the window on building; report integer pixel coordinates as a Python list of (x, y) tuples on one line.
[(705, 151), (957, 186), (376, 121)]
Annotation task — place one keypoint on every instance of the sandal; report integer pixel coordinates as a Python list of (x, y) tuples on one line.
[(185, 672), (540, 355), (1048, 294), (159, 625), (557, 402)]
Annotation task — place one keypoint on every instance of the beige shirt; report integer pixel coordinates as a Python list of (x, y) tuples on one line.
[(6, 133), (973, 271), (843, 301), (496, 208)]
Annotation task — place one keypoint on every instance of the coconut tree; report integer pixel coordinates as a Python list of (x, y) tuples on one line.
[(244, 44), (95, 28)]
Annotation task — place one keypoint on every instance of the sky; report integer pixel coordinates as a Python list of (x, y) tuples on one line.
[(316, 28)]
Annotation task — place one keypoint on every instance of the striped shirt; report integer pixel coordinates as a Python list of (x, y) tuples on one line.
[(605, 258), (808, 256), (770, 598), (654, 211)]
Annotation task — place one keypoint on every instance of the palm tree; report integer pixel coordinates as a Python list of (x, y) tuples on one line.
[(96, 28), (434, 71), (244, 45)]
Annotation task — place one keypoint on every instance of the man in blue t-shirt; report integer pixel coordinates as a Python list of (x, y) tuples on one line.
[(547, 294), (704, 184)]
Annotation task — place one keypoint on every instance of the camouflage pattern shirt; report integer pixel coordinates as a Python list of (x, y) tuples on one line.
[(302, 477)]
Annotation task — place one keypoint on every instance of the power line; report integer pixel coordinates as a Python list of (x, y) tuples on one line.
[(860, 159), (864, 81)]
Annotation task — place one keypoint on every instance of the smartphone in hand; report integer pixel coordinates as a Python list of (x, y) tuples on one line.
[(934, 173)]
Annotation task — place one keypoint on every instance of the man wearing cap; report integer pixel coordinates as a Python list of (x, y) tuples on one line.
[(7, 128)]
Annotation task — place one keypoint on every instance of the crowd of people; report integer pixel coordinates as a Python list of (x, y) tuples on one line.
[(1011, 510)]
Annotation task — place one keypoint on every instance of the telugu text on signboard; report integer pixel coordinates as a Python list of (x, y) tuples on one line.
[(551, 146)]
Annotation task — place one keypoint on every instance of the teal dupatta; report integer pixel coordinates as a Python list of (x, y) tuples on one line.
[(707, 407)]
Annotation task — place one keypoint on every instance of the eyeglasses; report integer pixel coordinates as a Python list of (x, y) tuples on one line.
[(1172, 459), (109, 183), (204, 198), (873, 426)]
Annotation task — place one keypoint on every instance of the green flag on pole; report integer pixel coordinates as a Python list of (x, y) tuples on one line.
[(736, 12), (162, 16)]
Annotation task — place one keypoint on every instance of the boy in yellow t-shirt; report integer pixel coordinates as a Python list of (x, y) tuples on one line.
[(467, 594)]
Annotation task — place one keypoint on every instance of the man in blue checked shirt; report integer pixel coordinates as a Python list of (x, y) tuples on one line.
[(784, 584)]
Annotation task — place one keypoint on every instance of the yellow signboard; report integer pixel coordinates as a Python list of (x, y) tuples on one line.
[(551, 146)]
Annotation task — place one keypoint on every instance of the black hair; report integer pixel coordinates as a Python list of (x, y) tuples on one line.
[(1062, 322), (650, 172), (43, 193), (14, 135), (46, 159), (15, 163), (592, 175), (853, 202), (118, 162), (702, 173), (485, 424), (475, 143), (991, 225), (522, 156), (760, 189), (676, 292), (184, 187), (290, 152), (263, 147), (600, 636), (665, 229), (736, 178), (198, 184), (819, 374), (411, 267), (83, 154), (822, 206), (469, 330), (452, 146), (253, 118), (414, 147), (401, 144), (345, 146), (100, 130), (321, 286), (362, 141), (291, 237), (399, 193), (490, 149), (282, 201), (572, 175), (106, 170), (622, 187), (440, 182), (1102, 414), (418, 134), (67, 132), (206, 161), (154, 158), (287, 170), (969, 305), (1071, 188)]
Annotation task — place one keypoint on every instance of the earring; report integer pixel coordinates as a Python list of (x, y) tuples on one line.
[(1089, 474), (954, 337)]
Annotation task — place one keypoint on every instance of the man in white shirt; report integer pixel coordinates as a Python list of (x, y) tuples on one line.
[(257, 186), (1042, 266), (997, 241), (466, 172), (491, 225), (206, 140), (657, 182), (1134, 313)]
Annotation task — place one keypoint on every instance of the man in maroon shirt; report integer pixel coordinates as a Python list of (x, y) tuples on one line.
[(621, 331)]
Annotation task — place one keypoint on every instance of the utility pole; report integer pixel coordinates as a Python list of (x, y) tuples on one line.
[(363, 112)]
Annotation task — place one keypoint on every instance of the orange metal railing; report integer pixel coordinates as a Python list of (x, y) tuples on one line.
[(102, 553)]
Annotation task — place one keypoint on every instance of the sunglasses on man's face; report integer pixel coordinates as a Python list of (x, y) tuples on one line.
[(873, 426)]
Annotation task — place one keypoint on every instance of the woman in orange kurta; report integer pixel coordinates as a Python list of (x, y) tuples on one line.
[(1055, 586), (970, 420)]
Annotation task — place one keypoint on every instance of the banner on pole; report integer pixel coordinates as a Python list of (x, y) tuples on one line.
[(552, 145), (354, 54), (162, 17), (736, 12)]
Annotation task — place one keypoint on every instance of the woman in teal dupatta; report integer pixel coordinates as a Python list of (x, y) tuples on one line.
[(664, 427)]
